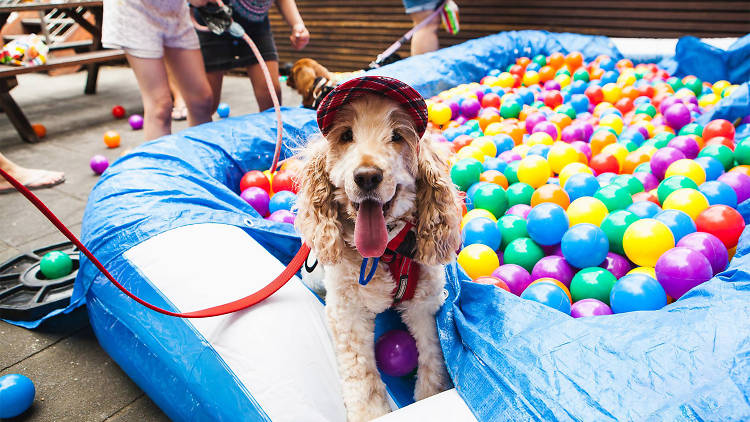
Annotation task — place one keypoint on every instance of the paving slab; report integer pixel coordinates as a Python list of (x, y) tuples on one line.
[(142, 409)]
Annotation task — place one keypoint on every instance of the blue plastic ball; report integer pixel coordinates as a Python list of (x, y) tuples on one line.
[(607, 63), (539, 149), (580, 102), (719, 193), (527, 95), (711, 166), (548, 294), (481, 230), (494, 163), (223, 110), (606, 178), (16, 395), (503, 143), (581, 184), (283, 200), (637, 292), (679, 223), (578, 87), (585, 245), (546, 223), (609, 76), (633, 135), (644, 209)]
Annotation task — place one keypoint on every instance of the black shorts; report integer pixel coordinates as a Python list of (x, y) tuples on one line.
[(224, 52)]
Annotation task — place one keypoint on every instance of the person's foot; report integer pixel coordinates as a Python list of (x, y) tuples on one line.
[(31, 178), (179, 113)]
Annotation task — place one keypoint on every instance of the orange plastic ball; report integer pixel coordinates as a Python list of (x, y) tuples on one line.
[(111, 139), (561, 120), (633, 160), (39, 129), (556, 60), (487, 118), (574, 60), (550, 193), (601, 139), (494, 176), (546, 73)]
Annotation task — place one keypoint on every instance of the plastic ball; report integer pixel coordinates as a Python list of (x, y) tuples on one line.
[(519, 193), (592, 283), (476, 213), (719, 193), (672, 184), (111, 139), (649, 271), (514, 276), (223, 110), (604, 163), (492, 198), (283, 181), (681, 269), (136, 121), (118, 112), (482, 231), (584, 245), (524, 252), (580, 185), (571, 169), (99, 163), (257, 198), (629, 182), (739, 182), (677, 115), (56, 264), (39, 129), (614, 226), (719, 152), (646, 240), (618, 265), (589, 307), (718, 127), (686, 144), (550, 194), (491, 280), (519, 210), (534, 171), (560, 155), (282, 216), (553, 266), (396, 353), (689, 201), (465, 173), (637, 292), (586, 210), (511, 228), (546, 224), (723, 222), (662, 159), (687, 168), (439, 113), (16, 395), (284, 200), (548, 294), (255, 178), (478, 260), (678, 222), (643, 209), (470, 108), (614, 197), (710, 246)]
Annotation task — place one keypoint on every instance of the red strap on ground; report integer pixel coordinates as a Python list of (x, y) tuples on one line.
[(226, 308)]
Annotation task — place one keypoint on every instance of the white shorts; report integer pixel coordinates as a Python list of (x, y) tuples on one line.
[(144, 27)]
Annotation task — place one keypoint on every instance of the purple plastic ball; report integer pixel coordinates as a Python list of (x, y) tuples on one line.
[(552, 85), (509, 156), (282, 216), (618, 265), (589, 307), (547, 127), (480, 94), (649, 180), (686, 144), (136, 121), (99, 163), (710, 246), (680, 269), (519, 210), (740, 182), (470, 108), (257, 198), (515, 276), (533, 120), (396, 353), (455, 109), (643, 131), (554, 267), (668, 102), (588, 130), (572, 133), (662, 158), (582, 147), (677, 116)]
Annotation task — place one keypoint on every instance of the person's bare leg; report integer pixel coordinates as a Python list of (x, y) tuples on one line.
[(190, 77), (157, 100), (179, 109), (215, 81), (426, 38), (262, 94), (31, 178)]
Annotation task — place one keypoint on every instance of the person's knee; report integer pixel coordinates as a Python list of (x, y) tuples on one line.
[(161, 108), (202, 103)]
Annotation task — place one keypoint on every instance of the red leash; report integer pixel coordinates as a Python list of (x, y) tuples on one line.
[(226, 308)]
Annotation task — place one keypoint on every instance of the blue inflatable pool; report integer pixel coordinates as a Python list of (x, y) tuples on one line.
[(168, 222)]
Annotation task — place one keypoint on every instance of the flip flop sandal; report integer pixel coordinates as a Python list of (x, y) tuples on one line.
[(179, 113)]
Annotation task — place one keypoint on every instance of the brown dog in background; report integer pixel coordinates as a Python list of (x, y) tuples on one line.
[(313, 81)]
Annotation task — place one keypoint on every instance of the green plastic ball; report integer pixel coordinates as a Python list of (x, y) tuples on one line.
[(492, 198), (742, 152), (663, 136), (629, 182), (581, 75), (524, 252), (562, 71), (695, 85), (568, 110), (643, 167), (671, 184), (511, 227), (592, 283), (510, 109), (646, 108), (630, 145), (466, 172), (56, 264), (719, 152), (519, 193), (511, 172), (691, 129), (614, 197), (675, 83), (614, 226), (540, 59)]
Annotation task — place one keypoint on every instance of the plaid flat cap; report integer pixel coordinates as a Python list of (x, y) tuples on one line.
[(391, 88)]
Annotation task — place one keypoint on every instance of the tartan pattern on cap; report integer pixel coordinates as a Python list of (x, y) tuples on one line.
[(394, 89)]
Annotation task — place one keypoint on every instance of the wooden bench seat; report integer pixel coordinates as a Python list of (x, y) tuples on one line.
[(56, 62)]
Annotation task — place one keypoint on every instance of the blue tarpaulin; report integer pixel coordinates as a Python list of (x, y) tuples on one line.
[(510, 359)]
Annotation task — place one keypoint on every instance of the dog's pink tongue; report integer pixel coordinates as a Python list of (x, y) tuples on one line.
[(370, 235)]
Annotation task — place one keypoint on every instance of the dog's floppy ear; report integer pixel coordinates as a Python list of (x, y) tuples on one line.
[(317, 217), (438, 208)]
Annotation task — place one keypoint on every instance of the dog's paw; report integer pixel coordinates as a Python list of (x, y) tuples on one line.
[(430, 381), (368, 411)]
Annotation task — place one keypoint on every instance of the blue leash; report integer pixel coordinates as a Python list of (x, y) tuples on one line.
[(364, 280)]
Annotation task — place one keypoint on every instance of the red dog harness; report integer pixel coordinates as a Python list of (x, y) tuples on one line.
[(399, 255)]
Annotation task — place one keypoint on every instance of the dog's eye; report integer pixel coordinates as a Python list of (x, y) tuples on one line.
[(347, 136), (396, 137)]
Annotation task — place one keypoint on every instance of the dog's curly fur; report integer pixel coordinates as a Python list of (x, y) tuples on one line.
[(302, 78), (415, 187)]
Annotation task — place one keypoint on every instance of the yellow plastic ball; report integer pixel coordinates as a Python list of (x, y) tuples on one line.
[(560, 155), (611, 93), (688, 168), (649, 271), (534, 171), (612, 121), (504, 80), (530, 78), (586, 209), (599, 108), (650, 150), (626, 78), (494, 128), (439, 113), (521, 150), (690, 201), (646, 240), (719, 86), (477, 212), (489, 80), (478, 260), (470, 151), (563, 80), (539, 138), (571, 169), (729, 90), (650, 128), (486, 145), (618, 151), (708, 100)]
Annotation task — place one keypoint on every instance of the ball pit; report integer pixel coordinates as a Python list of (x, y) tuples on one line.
[(589, 173)]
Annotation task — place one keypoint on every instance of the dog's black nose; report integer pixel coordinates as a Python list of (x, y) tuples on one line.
[(368, 178)]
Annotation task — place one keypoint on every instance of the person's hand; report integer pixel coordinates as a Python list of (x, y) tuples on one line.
[(300, 36), (199, 3)]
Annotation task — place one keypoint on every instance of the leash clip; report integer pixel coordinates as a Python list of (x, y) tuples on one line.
[(362, 279)]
